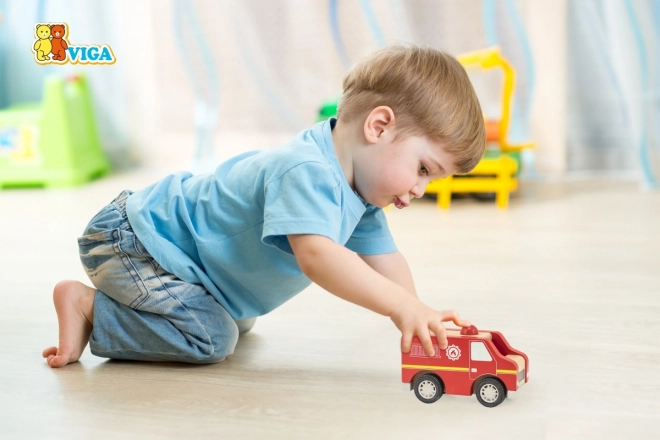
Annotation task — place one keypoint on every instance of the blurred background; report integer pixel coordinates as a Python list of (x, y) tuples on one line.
[(197, 81)]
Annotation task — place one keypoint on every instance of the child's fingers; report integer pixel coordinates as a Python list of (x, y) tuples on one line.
[(425, 338), (406, 342), (452, 315), (440, 334)]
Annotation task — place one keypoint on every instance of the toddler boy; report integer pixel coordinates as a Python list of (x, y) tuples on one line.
[(177, 264)]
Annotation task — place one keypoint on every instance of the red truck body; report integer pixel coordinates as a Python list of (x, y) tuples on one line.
[(470, 357)]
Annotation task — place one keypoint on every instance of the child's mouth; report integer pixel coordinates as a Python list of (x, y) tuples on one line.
[(399, 203)]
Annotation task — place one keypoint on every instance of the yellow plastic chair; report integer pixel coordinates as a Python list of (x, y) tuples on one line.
[(492, 174)]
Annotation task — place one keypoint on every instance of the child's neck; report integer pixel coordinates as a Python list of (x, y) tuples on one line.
[(345, 139)]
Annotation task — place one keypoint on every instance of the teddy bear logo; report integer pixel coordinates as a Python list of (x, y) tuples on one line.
[(51, 40), (43, 45)]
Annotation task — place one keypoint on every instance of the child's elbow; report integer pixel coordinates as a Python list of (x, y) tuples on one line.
[(306, 265), (306, 261), (307, 250)]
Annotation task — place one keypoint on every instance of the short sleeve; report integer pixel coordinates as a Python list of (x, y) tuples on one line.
[(372, 236), (304, 200)]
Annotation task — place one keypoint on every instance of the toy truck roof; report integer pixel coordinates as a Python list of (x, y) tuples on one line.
[(481, 335), (496, 338)]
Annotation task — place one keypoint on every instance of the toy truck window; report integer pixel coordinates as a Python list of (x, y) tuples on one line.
[(479, 352), (418, 351)]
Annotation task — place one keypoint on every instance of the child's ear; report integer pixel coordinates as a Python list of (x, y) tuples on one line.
[(380, 121)]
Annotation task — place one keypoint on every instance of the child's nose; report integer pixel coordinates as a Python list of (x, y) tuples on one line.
[(417, 191)]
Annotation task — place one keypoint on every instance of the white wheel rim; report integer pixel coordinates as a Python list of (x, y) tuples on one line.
[(427, 389), (489, 393)]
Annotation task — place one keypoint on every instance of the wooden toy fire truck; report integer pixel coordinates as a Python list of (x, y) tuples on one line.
[(474, 362)]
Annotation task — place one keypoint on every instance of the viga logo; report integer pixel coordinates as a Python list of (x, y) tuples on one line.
[(52, 46)]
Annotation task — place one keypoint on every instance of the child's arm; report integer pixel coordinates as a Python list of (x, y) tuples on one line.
[(344, 274), (394, 267)]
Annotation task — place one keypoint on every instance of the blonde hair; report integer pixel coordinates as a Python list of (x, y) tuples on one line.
[(429, 93)]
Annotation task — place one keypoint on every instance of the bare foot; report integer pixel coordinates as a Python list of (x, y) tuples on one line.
[(74, 304)]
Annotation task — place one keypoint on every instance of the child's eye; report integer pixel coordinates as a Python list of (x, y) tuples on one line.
[(424, 170)]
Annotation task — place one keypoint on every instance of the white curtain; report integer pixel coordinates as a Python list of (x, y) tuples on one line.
[(614, 86)]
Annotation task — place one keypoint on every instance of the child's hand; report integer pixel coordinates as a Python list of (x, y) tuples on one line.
[(413, 317)]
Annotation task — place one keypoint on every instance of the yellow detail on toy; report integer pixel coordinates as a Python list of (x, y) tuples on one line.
[(43, 46), (25, 150), (492, 174)]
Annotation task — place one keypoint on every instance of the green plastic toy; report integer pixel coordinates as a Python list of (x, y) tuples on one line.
[(328, 109), (54, 143)]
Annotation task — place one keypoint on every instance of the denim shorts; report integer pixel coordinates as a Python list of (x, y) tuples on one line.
[(141, 311)]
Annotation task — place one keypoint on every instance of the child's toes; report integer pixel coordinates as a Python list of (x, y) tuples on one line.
[(49, 352), (56, 361)]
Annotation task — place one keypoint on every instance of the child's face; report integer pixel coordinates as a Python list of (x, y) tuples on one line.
[(395, 171)]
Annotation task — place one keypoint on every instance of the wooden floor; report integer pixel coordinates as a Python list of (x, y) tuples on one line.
[(570, 273)]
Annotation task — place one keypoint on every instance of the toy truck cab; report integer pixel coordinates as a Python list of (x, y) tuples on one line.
[(474, 362)]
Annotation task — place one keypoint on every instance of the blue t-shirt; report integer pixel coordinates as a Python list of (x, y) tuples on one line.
[(227, 230)]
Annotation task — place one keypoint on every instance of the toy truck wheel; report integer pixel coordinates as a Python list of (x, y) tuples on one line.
[(490, 392), (428, 388)]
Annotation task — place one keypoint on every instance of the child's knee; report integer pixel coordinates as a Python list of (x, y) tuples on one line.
[(223, 342), (245, 325)]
